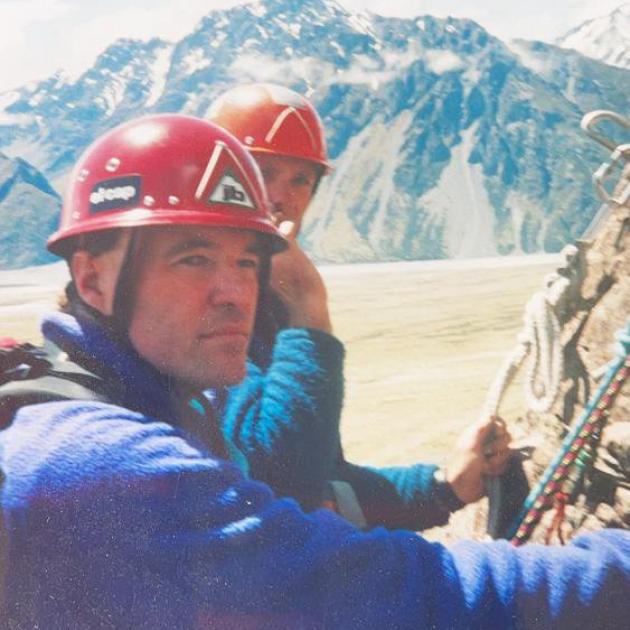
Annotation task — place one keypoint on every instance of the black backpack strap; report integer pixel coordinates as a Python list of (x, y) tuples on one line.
[(33, 375)]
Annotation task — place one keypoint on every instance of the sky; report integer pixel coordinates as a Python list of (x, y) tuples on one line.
[(40, 37)]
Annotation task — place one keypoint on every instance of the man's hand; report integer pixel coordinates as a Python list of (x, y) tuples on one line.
[(481, 450), (299, 285)]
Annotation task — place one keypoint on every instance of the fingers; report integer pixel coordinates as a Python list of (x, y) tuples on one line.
[(495, 466), (483, 436), (496, 447), (299, 285), (483, 450), (480, 434), (492, 432), (498, 456), (500, 443)]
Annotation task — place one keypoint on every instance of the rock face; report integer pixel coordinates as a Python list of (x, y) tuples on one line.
[(590, 314), (447, 142), (589, 344)]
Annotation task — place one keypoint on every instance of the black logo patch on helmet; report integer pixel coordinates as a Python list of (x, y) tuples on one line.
[(230, 190), (115, 194)]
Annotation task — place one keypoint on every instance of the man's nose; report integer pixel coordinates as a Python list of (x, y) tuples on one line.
[(231, 289), (277, 211), (279, 196)]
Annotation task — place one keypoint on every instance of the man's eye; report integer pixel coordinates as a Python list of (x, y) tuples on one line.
[(249, 263), (302, 180), (194, 261)]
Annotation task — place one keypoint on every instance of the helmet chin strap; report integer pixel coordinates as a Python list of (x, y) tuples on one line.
[(122, 252), (124, 294)]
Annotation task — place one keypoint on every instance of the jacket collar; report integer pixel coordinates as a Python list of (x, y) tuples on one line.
[(91, 345)]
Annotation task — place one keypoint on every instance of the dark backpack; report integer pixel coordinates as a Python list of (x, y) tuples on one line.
[(30, 375)]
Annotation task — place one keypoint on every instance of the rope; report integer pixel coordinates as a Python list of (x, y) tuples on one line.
[(545, 366), (558, 470), (561, 500), (540, 338), (571, 485)]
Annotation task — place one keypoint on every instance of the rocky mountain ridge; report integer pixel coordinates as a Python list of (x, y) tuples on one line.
[(446, 141), (29, 210), (606, 38)]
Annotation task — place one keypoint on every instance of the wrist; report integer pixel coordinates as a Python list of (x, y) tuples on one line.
[(443, 493)]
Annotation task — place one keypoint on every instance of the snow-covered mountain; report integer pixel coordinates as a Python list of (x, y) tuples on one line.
[(606, 38), (29, 210), (446, 141)]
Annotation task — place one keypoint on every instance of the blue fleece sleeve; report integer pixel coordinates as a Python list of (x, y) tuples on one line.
[(583, 585), (285, 420), (114, 520)]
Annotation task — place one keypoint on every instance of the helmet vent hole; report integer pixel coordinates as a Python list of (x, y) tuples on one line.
[(112, 165), (249, 140), (173, 200), (148, 201)]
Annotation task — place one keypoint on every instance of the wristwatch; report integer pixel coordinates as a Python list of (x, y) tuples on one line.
[(443, 493)]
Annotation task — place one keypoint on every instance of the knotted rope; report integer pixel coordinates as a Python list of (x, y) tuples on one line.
[(540, 339)]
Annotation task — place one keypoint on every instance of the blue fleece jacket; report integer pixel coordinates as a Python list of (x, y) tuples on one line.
[(285, 419), (117, 518)]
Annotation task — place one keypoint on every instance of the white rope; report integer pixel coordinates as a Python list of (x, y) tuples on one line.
[(545, 367), (540, 340)]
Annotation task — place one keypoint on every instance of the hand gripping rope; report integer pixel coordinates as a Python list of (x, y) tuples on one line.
[(551, 482), (540, 341)]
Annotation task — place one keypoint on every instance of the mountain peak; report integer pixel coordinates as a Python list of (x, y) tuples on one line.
[(29, 211), (624, 9), (605, 38), (446, 142)]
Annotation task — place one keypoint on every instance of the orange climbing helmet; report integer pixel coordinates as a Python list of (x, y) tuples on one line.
[(165, 169), (272, 119)]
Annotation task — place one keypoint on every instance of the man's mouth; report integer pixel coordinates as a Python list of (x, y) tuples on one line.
[(226, 331)]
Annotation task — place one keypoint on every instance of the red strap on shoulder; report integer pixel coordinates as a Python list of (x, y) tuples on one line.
[(8, 342)]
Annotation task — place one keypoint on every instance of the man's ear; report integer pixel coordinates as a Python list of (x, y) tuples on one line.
[(96, 276), (89, 276)]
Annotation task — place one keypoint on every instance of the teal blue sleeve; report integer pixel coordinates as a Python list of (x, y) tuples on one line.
[(285, 419), (396, 496)]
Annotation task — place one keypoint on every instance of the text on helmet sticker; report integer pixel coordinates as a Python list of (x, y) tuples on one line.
[(230, 190), (116, 193)]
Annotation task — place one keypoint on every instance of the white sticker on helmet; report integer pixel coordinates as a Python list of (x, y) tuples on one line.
[(230, 190), (115, 194)]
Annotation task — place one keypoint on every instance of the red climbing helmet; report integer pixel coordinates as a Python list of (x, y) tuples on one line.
[(269, 118), (164, 169)]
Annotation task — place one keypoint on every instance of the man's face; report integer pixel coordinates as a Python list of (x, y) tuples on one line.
[(290, 183), (195, 301)]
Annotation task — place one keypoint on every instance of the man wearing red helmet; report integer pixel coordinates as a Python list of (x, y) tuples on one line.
[(119, 509), (284, 133), (297, 458)]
